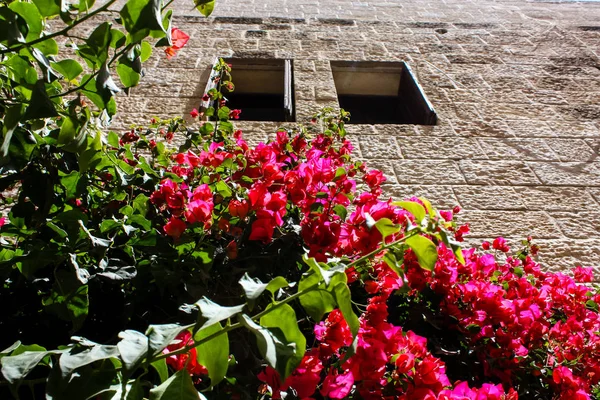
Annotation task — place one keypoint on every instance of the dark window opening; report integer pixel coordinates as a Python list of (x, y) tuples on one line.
[(381, 93), (263, 89)]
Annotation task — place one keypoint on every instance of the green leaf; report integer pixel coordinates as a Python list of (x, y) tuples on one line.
[(127, 74), (68, 131), (97, 45), (177, 387), (160, 336), (49, 74), (591, 305), (68, 68), (15, 368), (341, 211), (323, 270), (205, 7), (12, 117), (277, 283), (284, 318), (146, 51), (223, 113), (105, 86), (425, 250), (343, 299), (84, 353), (275, 352), (412, 207), (428, 207), (96, 242), (49, 47), (213, 354), (142, 16), (69, 182), (253, 288), (31, 15), (386, 227), (133, 348), (223, 189), (48, 8), (141, 204), (13, 28), (113, 139), (86, 383), (85, 5), (118, 38), (210, 312), (160, 366), (69, 299), (317, 302), (392, 262), (40, 105), (458, 253)]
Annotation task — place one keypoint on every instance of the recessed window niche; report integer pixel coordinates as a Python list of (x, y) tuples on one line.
[(381, 93), (263, 89)]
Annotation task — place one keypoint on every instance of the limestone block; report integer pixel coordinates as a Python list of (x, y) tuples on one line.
[(380, 147), (517, 149), (488, 198), (510, 223), (441, 172), (547, 198), (568, 173), (452, 148), (498, 172)]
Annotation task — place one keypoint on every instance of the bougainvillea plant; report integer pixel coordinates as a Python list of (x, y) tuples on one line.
[(221, 270)]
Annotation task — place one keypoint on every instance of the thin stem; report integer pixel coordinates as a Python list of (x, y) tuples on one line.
[(61, 32)]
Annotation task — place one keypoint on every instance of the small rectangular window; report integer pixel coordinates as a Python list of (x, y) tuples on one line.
[(263, 89), (381, 93)]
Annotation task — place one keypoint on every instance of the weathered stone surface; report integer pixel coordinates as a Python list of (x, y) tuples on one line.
[(566, 198), (489, 198), (516, 86), (583, 224), (377, 147), (513, 224), (498, 172), (428, 172), (440, 148)]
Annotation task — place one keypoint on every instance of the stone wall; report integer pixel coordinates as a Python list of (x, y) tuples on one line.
[(516, 86)]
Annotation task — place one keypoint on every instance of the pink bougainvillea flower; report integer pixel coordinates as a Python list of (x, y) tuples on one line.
[(337, 386), (262, 228), (235, 114), (2, 221), (581, 274), (179, 39), (185, 360), (174, 227), (194, 113), (500, 244)]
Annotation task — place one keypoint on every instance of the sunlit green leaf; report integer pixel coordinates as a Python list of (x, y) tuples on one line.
[(425, 250), (275, 352), (412, 207), (283, 317), (205, 7), (178, 387), (343, 299), (48, 8), (31, 15), (213, 354), (68, 68)]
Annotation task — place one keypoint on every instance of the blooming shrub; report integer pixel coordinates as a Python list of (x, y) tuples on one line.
[(289, 273)]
